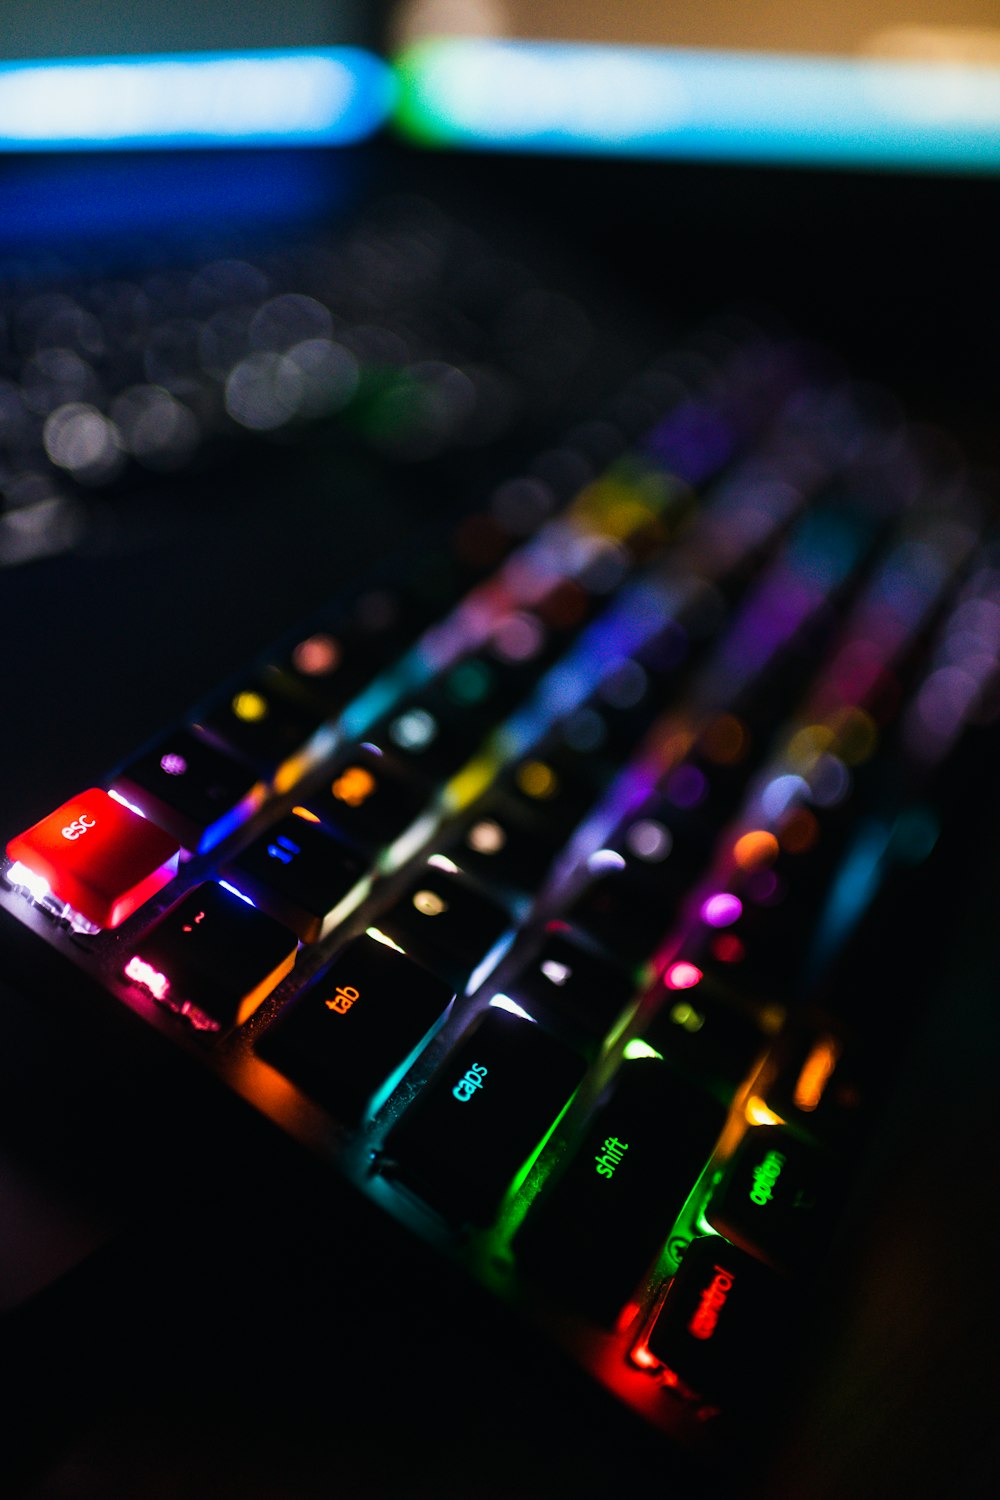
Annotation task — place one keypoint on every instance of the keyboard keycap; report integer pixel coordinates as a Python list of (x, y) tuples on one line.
[(565, 981), (446, 922), (212, 958), (777, 1197), (355, 1025), (462, 1142), (721, 1307), (593, 1231), (337, 658), (710, 1031), (432, 733), (266, 720), (555, 790), (822, 1080), (192, 789), (627, 910), (101, 858), (302, 875), (628, 905), (504, 845), (369, 799)]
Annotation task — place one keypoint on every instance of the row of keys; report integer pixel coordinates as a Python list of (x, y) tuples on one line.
[(204, 779)]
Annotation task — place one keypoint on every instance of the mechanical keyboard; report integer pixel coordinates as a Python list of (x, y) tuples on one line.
[(539, 885)]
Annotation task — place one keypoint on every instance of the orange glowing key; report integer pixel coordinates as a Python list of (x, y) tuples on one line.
[(98, 856)]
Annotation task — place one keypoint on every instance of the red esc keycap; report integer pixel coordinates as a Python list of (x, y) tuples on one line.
[(98, 856)]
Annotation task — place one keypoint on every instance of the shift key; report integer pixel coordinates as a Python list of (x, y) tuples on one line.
[(597, 1224), (476, 1125)]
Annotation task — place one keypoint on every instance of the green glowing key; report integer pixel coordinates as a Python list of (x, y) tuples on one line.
[(594, 1229)]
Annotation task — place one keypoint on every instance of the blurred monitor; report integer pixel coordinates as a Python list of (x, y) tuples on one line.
[(869, 83)]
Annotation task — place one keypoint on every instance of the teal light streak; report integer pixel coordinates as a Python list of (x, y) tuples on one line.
[(696, 103)]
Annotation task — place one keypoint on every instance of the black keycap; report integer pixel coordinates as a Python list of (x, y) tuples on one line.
[(627, 909), (431, 732), (334, 660), (662, 848), (627, 899), (264, 719), (505, 845), (566, 981), (345, 648), (369, 799), (355, 1026), (821, 1079), (301, 874), (212, 958), (594, 1229), (462, 1143), (709, 1030), (777, 1198), (443, 920), (704, 791), (484, 685), (721, 1308), (554, 788), (191, 788), (661, 836)]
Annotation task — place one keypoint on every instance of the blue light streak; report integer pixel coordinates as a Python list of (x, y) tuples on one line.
[(291, 97)]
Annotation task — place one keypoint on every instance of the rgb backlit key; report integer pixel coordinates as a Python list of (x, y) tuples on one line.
[(572, 985), (302, 875), (101, 858), (504, 845), (212, 958), (591, 1233), (369, 799), (266, 720), (444, 921), (355, 1026), (489, 1106), (778, 1197), (194, 790), (720, 1308)]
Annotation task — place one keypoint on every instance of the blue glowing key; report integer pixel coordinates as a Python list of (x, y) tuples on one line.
[(288, 96), (301, 874), (492, 1102)]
